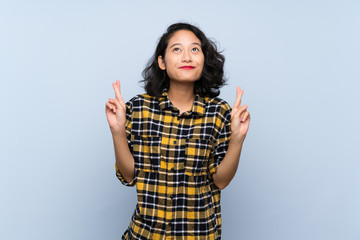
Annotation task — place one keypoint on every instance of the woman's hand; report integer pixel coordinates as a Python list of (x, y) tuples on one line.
[(240, 118), (116, 111)]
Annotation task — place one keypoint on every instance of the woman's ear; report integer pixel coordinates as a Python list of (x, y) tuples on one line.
[(161, 62)]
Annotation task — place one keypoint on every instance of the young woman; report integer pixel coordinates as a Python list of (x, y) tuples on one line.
[(178, 143)]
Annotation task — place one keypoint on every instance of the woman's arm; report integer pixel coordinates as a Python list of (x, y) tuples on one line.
[(124, 159), (116, 116), (228, 166), (240, 120)]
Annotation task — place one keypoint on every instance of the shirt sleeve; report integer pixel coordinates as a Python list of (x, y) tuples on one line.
[(221, 143), (128, 137)]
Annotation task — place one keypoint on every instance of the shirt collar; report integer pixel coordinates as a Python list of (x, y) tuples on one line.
[(197, 108)]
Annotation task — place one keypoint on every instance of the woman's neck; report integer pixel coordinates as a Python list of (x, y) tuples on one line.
[(181, 95)]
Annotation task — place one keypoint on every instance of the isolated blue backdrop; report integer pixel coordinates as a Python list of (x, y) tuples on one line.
[(298, 62)]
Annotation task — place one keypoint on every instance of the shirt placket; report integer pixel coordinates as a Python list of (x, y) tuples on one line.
[(173, 165)]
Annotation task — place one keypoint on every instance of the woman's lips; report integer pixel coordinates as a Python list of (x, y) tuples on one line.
[(187, 67)]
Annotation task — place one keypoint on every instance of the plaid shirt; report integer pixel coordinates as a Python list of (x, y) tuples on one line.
[(175, 156)]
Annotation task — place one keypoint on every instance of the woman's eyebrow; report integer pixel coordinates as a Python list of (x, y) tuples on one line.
[(181, 44), (175, 44)]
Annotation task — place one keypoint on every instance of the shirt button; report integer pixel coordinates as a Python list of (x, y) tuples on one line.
[(172, 169), (174, 142), (171, 197)]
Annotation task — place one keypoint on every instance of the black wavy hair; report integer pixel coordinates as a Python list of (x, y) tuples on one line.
[(212, 76)]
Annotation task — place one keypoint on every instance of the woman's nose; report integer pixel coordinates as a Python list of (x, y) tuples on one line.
[(186, 56)]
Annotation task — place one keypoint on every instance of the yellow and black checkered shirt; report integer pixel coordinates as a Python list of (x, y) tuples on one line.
[(175, 156)]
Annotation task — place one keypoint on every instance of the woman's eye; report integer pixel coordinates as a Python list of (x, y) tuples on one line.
[(176, 49), (196, 49)]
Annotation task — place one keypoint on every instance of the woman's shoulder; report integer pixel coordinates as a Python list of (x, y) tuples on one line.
[(141, 97), (217, 102)]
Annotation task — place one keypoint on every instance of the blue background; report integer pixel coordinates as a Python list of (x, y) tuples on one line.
[(298, 62)]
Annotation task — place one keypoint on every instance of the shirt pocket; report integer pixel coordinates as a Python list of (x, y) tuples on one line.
[(147, 152), (197, 152)]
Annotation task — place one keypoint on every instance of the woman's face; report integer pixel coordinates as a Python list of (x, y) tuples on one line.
[(184, 59)]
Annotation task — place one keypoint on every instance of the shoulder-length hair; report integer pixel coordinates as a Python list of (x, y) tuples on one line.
[(212, 77)]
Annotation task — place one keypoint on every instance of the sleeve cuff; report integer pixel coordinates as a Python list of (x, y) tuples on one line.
[(122, 179), (213, 168)]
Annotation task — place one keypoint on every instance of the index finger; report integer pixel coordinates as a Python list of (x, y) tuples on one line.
[(117, 90), (239, 94)]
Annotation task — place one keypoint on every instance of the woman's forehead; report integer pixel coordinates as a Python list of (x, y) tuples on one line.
[(184, 37)]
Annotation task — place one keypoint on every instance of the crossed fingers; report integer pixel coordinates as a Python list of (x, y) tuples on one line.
[(237, 108), (118, 92), (118, 101)]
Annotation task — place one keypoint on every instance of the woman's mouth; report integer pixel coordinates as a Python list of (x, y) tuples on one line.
[(187, 67)]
